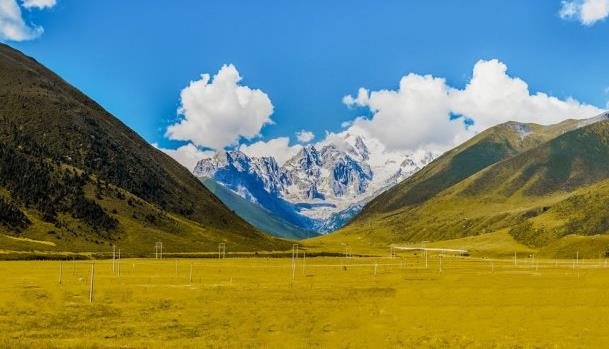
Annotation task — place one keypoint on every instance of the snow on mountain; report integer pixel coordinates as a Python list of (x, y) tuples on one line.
[(323, 186), (593, 120)]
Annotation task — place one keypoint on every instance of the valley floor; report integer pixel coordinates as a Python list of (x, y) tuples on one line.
[(374, 302)]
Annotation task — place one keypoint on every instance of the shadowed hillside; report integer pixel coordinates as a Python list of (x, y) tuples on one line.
[(257, 215), (72, 173)]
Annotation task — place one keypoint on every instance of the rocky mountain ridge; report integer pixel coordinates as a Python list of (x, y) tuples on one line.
[(322, 187)]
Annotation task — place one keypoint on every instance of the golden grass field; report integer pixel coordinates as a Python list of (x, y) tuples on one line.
[(332, 302)]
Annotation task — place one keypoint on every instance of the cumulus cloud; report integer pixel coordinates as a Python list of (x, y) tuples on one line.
[(424, 112), (12, 25), (492, 97), (360, 100), (304, 136), (39, 3), (279, 148), (217, 112), (346, 124), (187, 155), (587, 12), (415, 115)]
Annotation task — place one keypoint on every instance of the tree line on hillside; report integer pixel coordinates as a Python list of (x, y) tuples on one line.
[(36, 181)]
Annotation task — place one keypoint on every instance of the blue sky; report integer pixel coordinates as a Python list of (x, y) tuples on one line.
[(134, 57)]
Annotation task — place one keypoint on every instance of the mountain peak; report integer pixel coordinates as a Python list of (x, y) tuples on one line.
[(321, 187), (361, 147), (601, 117)]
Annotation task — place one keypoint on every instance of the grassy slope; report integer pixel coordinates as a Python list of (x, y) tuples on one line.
[(256, 215), (538, 196), (47, 121), (491, 146), (141, 225)]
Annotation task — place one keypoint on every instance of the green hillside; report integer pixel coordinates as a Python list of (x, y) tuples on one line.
[(491, 146), (573, 160), (256, 215), (73, 174), (541, 197)]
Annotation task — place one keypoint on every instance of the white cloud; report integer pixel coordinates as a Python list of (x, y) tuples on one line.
[(279, 148), (360, 101), (12, 25), (415, 115), (423, 113), (187, 155), (587, 12), (418, 114), (493, 97), (217, 113), (346, 124), (39, 3), (304, 136)]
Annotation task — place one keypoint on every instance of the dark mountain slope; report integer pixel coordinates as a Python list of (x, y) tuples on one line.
[(63, 158)]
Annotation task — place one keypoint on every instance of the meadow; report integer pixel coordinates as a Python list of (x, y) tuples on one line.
[(318, 302)]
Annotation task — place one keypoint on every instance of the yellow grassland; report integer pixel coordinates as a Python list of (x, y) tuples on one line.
[(324, 302)]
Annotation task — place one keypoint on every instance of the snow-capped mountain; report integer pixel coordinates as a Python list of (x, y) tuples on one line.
[(323, 186)]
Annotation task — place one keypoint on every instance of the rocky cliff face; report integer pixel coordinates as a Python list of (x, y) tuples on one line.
[(322, 187)]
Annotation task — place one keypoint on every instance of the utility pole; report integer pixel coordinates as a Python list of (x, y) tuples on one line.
[(92, 281), (113, 258), (158, 250), (119, 262), (294, 257), (221, 250), (375, 267), (440, 263)]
